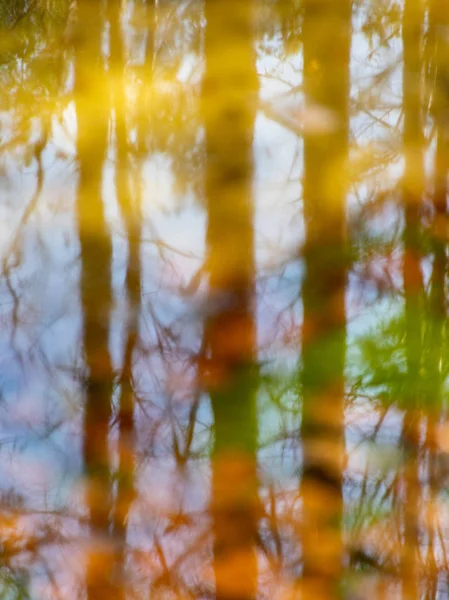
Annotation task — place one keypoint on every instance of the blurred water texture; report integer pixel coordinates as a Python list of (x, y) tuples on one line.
[(223, 299)]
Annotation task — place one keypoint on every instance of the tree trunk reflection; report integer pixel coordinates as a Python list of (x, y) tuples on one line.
[(326, 36), (412, 29), (96, 296), (229, 95)]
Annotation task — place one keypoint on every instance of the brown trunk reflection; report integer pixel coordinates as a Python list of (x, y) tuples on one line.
[(326, 36), (128, 199), (96, 294), (412, 28), (229, 96), (437, 59)]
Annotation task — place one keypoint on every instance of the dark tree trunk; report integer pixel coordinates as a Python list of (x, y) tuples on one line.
[(96, 294), (326, 38), (229, 97), (412, 31)]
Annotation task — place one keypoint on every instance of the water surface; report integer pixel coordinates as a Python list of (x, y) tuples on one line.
[(223, 299)]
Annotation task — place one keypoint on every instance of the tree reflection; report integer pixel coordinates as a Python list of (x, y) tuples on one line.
[(129, 202), (412, 29), (96, 299), (229, 95), (327, 34)]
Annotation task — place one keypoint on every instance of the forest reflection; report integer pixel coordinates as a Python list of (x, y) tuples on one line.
[(224, 356)]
